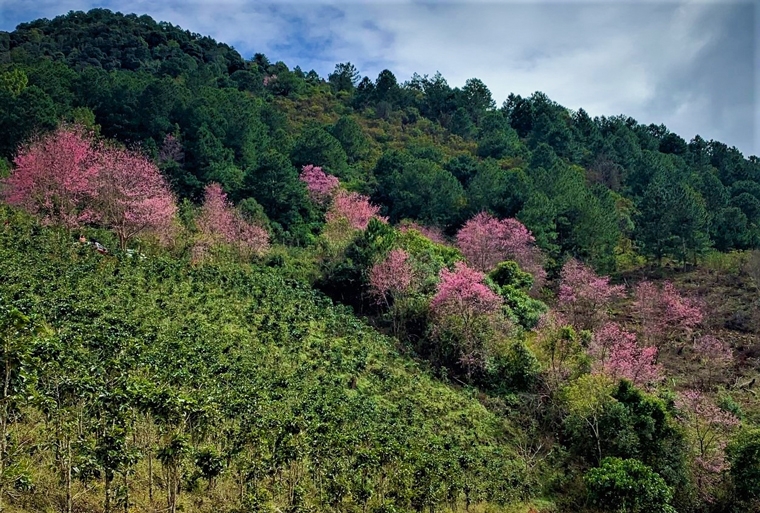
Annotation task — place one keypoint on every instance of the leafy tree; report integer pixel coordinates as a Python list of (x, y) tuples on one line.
[(32, 111), (317, 147), (587, 399), (351, 137), (730, 228), (344, 78), (462, 125), (463, 167), (539, 216), (627, 485), (424, 191), (13, 81), (513, 286), (477, 99), (273, 182), (744, 456), (708, 427), (497, 190)]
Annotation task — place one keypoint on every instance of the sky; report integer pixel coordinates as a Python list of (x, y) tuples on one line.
[(693, 66)]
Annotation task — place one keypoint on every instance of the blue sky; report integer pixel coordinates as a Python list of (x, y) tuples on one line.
[(694, 66)]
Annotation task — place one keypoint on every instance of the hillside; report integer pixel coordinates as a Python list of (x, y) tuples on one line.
[(249, 390), (228, 285)]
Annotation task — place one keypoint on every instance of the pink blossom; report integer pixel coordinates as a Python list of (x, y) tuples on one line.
[(619, 356), (130, 195), (462, 292), (485, 241), (584, 296), (713, 351), (392, 276), (664, 313), (355, 208), (219, 222), (715, 356), (320, 185), (463, 306), (53, 177)]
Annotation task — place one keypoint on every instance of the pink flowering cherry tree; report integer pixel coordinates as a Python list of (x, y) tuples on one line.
[(219, 223), (353, 208), (664, 314), (68, 179), (617, 354), (708, 429), (320, 185), (584, 297), (390, 281), (53, 177), (715, 356), (130, 196), (464, 308), (485, 241)]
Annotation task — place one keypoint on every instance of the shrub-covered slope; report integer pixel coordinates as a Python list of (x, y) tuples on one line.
[(228, 383)]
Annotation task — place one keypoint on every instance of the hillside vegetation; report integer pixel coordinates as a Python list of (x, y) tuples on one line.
[(228, 285)]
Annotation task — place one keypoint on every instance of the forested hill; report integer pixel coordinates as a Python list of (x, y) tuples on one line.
[(605, 189), (231, 286)]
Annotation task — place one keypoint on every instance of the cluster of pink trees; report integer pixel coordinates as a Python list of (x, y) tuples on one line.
[(220, 223), (664, 314), (351, 207), (617, 354), (584, 297), (67, 178), (485, 241)]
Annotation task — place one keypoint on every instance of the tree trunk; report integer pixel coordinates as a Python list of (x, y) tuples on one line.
[(69, 500), (126, 493), (107, 502), (150, 476)]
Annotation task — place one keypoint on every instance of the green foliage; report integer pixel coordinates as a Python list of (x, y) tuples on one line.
[(423, 190), (235, 375), (744, 455), (627, 486), (513, 285)]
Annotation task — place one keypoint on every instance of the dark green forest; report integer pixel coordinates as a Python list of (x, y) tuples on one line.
[(608, 362)]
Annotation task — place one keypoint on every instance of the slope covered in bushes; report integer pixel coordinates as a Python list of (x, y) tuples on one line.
[(230, 384)]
